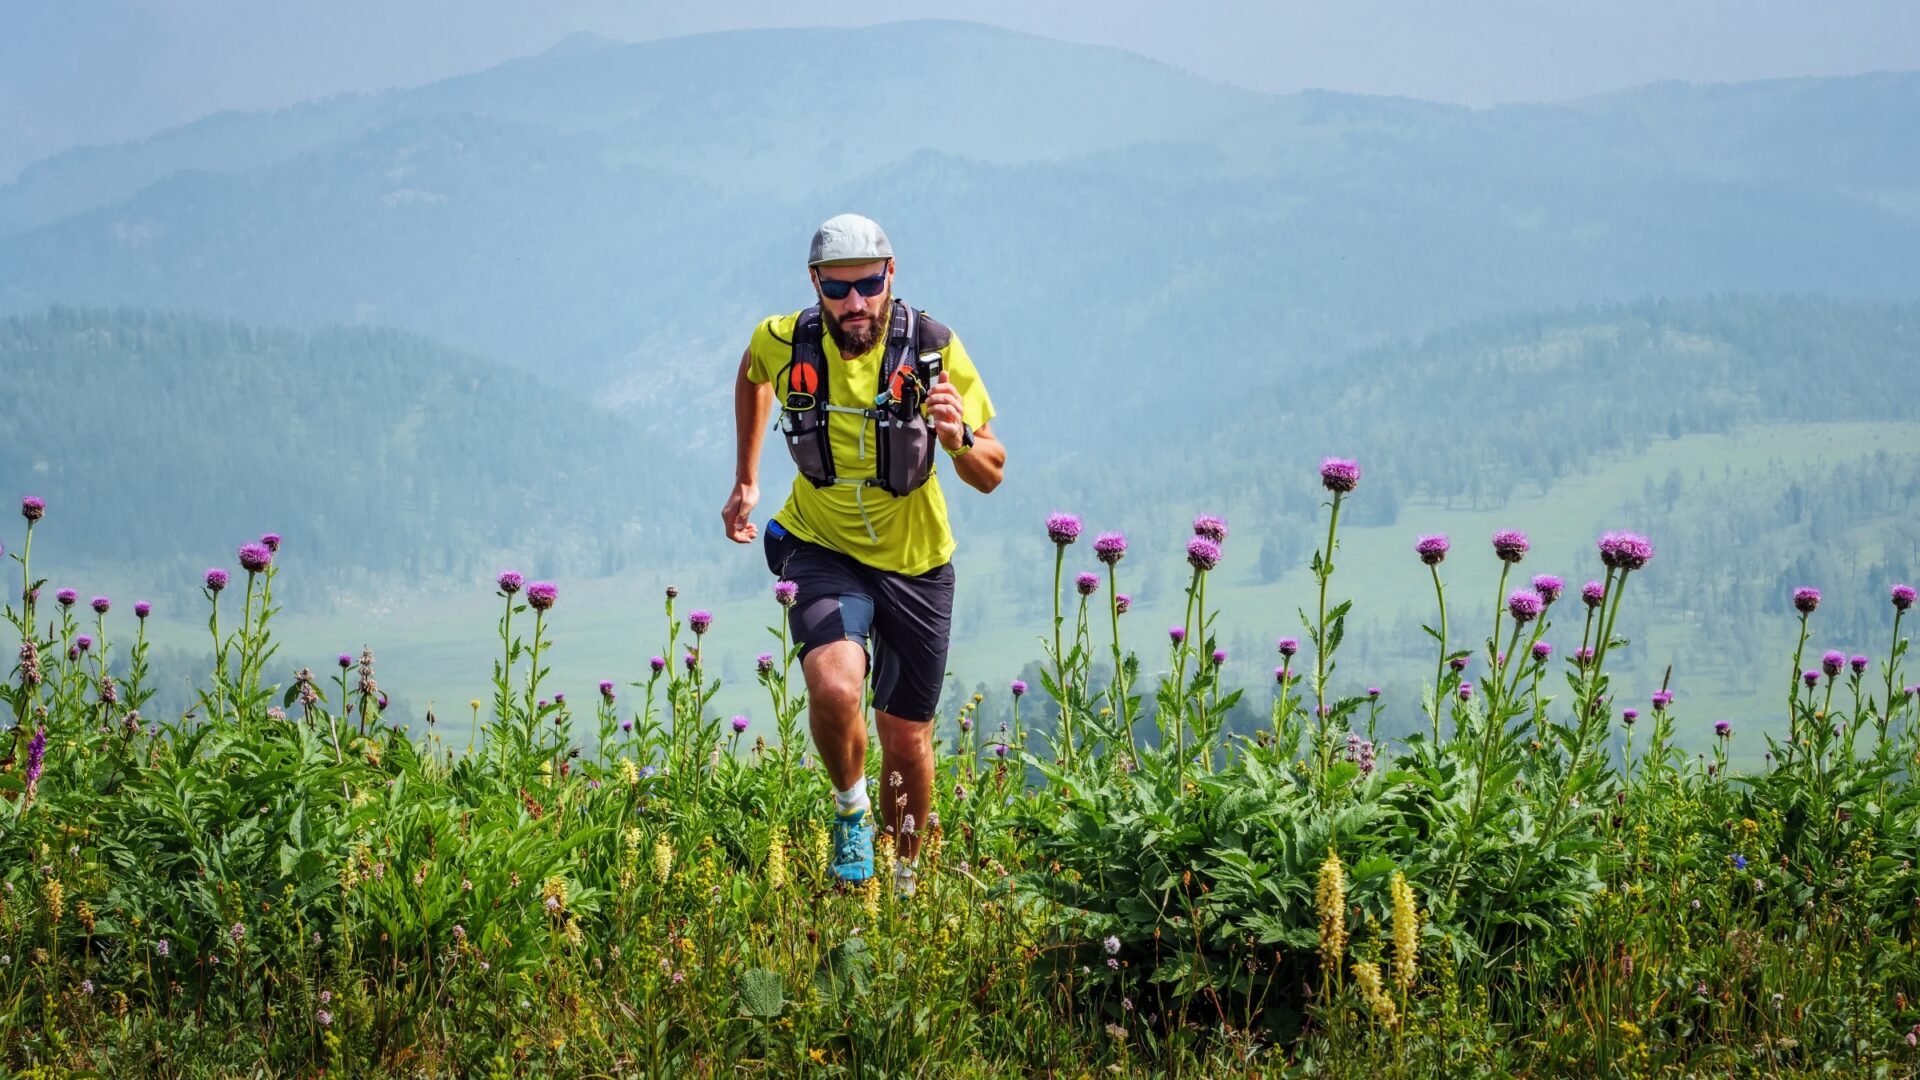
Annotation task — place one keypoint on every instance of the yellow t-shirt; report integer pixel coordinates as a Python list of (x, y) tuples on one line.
[(911, 532)]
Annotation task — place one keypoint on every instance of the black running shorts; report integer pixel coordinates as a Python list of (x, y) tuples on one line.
[(901, 621)]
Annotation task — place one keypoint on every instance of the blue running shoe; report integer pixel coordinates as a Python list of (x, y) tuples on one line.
[(852, 858)]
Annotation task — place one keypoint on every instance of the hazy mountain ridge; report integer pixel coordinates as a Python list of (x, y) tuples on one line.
[(163, 440)]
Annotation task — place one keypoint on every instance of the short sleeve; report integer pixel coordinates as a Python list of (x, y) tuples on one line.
[(974, 401), (770, 347)]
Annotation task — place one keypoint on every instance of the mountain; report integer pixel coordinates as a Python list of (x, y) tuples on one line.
[(614, 217), (163, 441)]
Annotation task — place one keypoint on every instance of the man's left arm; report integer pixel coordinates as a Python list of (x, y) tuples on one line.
[(984, 465)]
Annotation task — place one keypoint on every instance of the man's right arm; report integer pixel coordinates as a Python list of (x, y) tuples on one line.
[(752, 404)]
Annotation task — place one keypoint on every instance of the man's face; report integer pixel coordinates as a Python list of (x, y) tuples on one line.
[(856, 321)]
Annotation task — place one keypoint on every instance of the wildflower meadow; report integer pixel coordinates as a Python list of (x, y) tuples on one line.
[(1520, 874)]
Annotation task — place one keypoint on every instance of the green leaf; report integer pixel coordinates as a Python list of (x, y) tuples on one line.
[(762, 993)]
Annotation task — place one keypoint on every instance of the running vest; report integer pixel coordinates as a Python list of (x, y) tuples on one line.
[(903, 439)]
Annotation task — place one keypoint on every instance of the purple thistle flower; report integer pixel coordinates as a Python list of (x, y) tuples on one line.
[(510, 581), (346, 661), (1086, 583), (1203, 553), (271, 541), (1549, 587), (542, 594), (1625, 550), (1525, 606), (84, 642), (1177, 633), (692, 662), (1121, 602), (216, 579), (1859, 664), (1432, 549), (36, 755), (1628, 716), (101, 604), (255, 558), (142, 609), (739, 724), (763, 663), (1902, 597), (1280, 675), (1373, 692), (1832, 662), (1110, 547), (786, 592), (700, 621), (606, 690), (1289, 646), (627, 725), (1542, 650), (966, 723), (658, 664), (1000, 749), (1811, 678), (33, 509), (1723, 728), (1219, 657), (1510, 544), (1018, 687), (1212, 527), (1466, 691), (1805, 599), (383, 698), (1662, 699), (1459, 663), (1063, 529), (67, 597), (1583, 657), (1593, 594), (1339, 475)]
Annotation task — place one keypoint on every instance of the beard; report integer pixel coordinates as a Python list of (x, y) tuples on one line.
[(858, 339)]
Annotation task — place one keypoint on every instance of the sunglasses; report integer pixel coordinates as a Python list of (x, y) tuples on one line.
[(838, 290)]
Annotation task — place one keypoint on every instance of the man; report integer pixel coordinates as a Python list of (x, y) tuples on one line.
[(867, 388)]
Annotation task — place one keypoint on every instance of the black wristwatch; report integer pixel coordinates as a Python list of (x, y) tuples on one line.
[(966, 442)]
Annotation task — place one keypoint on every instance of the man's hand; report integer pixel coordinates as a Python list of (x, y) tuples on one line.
[(738, 511), (944, 406)]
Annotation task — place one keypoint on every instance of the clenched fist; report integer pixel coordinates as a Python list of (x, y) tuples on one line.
[(944, 408)]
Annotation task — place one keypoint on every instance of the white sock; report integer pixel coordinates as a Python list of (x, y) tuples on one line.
[(854, 798)]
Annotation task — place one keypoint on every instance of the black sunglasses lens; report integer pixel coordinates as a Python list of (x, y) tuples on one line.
[(838, 290)]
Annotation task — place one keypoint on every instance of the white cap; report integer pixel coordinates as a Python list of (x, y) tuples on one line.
[(848, 238)]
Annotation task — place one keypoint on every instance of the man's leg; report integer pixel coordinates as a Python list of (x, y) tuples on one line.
[(912, 622), (906, 751), (831, 617), (836, 682)]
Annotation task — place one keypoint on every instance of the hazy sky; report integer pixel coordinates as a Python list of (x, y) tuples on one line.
[(77, 71)]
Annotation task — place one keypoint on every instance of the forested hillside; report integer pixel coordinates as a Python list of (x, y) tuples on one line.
[(165, 440)]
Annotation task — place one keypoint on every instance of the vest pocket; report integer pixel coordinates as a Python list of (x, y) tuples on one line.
[(909, 457), (806, 435)]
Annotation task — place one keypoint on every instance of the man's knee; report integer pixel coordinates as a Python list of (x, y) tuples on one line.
[(837, 675), (904, 737)]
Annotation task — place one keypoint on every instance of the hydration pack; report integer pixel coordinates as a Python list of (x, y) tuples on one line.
[(903, 439)]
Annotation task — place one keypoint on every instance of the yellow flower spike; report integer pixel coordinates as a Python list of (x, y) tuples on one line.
[(1330, 900), (629, 772), (56, 900), (777, 863), (662, 860), (1406, 933), (1367, 974), (870, 897)]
